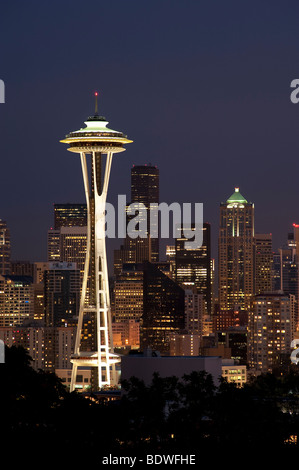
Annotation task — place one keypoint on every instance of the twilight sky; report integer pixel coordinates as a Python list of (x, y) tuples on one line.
[(203, 89)]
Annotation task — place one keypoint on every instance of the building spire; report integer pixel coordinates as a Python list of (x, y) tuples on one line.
[(96, 103), (96, 116)]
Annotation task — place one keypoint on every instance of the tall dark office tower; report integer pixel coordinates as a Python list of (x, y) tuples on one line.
[(61, 294), (288, 271), (4, 248), (145, 184), (263, 260), (289, 263), (144, 190), (276, 274), (236, 273), (163, 309), (289, 267), (193, 266), (70, 215)]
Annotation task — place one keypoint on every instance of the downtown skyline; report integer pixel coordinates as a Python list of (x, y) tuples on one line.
[(208, 103), (118, 331)]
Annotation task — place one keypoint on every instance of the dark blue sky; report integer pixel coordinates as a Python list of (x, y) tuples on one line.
[(203, 89)]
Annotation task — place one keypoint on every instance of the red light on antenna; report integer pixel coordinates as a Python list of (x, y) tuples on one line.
[(96, 93), (296, 225)]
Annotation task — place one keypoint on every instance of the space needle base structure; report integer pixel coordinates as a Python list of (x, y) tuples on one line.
[(97, 141)]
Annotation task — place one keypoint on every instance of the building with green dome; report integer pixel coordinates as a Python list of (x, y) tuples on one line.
[(236, 253)]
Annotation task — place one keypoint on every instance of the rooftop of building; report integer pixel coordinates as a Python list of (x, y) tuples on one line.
[(237, 197)]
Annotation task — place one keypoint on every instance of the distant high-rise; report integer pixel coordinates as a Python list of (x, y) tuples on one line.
[(271, 328), (145, 184), (68, 244), (263, 260), (70, 215), (53, 245), (16, 300), (22, 268), (236, 273), (170, 258), (62, 294), (195, 311), (73, 243), (193, 266), (289, 266), (276, 272), (223, 320), (163, 309), (68, 240), (128, 293), (144, 191), (39, 269), (288, 270), (50, 348), (4, 248)]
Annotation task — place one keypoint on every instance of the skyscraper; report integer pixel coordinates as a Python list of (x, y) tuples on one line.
[(263, 260), (128, 293), (289, 264), (145, 190), (16, 300), (61, 294), (163, 309), (235, 244), (4, 248), (170, 258), (68, 240), (70, 215), (271, 327), (276, 272), (144, 193), (53, 245), (193, 266), (195, 311), (73, 243)]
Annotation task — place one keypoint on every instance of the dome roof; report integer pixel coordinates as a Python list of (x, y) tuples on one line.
[(237, 198)]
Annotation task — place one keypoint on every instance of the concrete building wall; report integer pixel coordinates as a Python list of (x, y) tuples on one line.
[(167, 366)]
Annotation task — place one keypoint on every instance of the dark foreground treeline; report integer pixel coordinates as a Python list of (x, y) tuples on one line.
[(190, 416)]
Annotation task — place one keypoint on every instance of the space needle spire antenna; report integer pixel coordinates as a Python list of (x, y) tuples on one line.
[(96, 103), (97, 143)]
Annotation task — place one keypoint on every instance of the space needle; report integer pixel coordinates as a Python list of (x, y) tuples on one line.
[(101, 143)]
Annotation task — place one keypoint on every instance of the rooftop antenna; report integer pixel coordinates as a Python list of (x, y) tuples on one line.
[(96, 102)]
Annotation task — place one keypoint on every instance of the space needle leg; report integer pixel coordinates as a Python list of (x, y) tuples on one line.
[(103, 299), (86, 270)]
